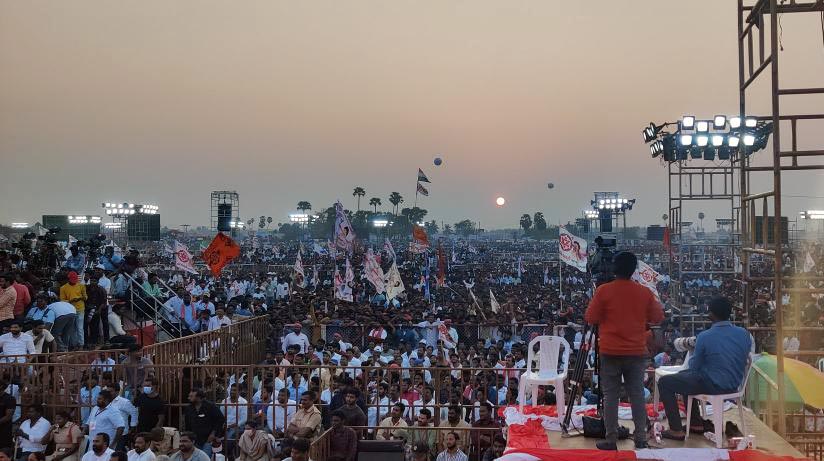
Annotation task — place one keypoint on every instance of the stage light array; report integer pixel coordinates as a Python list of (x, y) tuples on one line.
[(717, 138)]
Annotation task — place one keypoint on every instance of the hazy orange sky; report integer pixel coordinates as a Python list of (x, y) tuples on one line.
[(162, 102)]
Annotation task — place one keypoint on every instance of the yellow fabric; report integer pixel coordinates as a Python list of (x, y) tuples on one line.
[(808, 381), (69, 291)]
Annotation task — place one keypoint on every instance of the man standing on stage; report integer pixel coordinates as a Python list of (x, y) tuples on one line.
[(622, 309)]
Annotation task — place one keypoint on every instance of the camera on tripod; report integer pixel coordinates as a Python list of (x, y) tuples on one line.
[(600, 263)]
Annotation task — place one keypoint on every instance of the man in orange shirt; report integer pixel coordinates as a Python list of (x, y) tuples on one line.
[(622, 309)]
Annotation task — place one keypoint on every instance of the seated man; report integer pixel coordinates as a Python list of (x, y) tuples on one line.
[(717, 366)]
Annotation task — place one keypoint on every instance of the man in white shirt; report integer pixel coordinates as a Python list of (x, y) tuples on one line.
[(296, 338), (15, 343), (427, 401), (105, 419), (100, 449), (127, 411), (219, 320), (104, 282), (141, 450), (236, 410), (64, 316), (280, 413), (32, 431), (43, 339)]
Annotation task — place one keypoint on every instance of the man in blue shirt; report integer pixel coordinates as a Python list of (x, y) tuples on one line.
[(717, 366), (77, 261)]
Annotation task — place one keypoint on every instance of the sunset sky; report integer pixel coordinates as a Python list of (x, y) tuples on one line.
[(163, 101)]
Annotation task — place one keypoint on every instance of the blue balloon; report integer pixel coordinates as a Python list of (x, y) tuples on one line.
[(438, 161)]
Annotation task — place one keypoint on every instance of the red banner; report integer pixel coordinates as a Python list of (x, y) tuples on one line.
[(220, 252)]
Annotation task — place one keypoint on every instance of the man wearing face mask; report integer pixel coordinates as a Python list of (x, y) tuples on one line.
[(151, 408), (15, 344)]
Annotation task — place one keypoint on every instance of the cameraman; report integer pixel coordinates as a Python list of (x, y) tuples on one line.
[(77, 261), (622, 309), (717, 366)]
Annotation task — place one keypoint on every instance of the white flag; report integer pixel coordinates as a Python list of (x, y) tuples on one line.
[(300, 275), (344, 233), (183, 259), (317, 248), (393, 282), (387, 246), (374, 273), (572, 250), (342, 290), (349, 275), (494, 302), (809, 263), (647, 276)]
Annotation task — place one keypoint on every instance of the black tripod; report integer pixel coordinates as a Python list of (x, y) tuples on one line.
[(576, 379)]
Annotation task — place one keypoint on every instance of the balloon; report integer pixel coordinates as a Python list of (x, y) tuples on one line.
[(500, 201), (438, 161), (551, 185)]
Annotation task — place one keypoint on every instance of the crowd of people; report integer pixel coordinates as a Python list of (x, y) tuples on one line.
[(430, 367)]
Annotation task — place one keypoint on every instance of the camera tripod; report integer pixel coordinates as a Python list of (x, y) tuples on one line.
[(576, 379)]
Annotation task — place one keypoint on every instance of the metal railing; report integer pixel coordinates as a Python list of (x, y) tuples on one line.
[(148, 306)]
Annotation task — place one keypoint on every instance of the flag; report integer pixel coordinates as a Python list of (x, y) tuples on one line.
[(520, 267), (220, 252), (647, 276), (441, 266), (809, 263), (349, 275), (493, 303), (422, 190), (183, 259), (394, 284), (546, 275), (331, 247), (315, 276), (342, 290), (420, 241), (422, 177), (300, 275), (317, 248), (572, 250), (167, 250), (667, 241), (373, 271), (387, 247), (344, 233)]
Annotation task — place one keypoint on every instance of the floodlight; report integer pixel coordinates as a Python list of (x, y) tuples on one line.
[(19, 225), (702, 126), (702, 140), (733, 141), (686, 139), (719, 122), (735, 122), (709, 153), (717, 140), (696, 152), (724, 153), (749, 140), (688, 122), (750, 122)]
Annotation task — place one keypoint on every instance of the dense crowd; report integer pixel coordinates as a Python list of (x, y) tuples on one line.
[(422, 367)]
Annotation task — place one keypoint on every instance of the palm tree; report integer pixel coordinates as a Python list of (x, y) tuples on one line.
[(303, 205), (375, 202), (358, 192), (395, 199)]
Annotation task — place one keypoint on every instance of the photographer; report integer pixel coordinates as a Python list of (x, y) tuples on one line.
[(622, 309), (77, 261), (717, 367)]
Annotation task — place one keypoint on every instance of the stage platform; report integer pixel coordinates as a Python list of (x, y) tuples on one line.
[(765, 439)]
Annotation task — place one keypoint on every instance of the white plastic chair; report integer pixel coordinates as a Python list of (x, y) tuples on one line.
[(821, 365), (665, 371), (547, 373), (717, 402)]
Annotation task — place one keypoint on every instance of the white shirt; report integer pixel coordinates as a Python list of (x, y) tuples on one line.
[(115, 325), (105, 283), (282, 416), (35, 435), (300, 339), (419, 405), (61, 308), (41, 340), (22, 344), (103, 365), (92, 456), (147, 455), (215, 323), (127, 411), (236, 412)]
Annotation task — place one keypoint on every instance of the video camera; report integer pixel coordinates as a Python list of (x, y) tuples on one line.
[(600, 263)]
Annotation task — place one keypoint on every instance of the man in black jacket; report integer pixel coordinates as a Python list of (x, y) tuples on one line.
[(205, 419)]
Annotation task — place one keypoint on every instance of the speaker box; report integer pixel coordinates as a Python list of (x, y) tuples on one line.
[(380, 450), (224, 217), (605, 216)]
